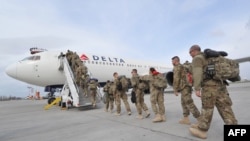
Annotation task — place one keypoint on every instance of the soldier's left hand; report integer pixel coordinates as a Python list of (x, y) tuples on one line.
[(176, 93)]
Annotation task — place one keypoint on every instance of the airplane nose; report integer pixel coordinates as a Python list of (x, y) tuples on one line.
[(11, 70)]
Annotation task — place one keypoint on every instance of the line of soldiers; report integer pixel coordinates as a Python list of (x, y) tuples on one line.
[(213, 93), (81, 76)]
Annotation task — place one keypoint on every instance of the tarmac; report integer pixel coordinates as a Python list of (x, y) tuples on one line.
[(26, 120)]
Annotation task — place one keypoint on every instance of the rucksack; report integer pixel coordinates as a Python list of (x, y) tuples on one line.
[(122, 83), (106, 88), (92, 85), (142, 85), (119, 86), (159, 81), (221, 68), (110, 91)]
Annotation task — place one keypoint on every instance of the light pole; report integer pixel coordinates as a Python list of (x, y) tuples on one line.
[(31, 89)]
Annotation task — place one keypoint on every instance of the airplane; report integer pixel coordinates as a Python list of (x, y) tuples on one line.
[(42, 68)]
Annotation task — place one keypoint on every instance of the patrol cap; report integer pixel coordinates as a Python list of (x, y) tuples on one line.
[(195, 47), (134, 70), (151, 69), (175, 57), (115, 73)]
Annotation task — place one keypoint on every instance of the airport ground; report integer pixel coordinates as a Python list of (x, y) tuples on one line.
[(26, 120)]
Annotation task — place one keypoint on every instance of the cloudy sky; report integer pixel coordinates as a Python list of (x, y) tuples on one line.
[(154, 30)]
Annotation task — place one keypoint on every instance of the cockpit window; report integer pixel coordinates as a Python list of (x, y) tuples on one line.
[(32, 58)]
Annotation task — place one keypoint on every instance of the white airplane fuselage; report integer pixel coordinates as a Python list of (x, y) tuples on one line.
[(42, 69)]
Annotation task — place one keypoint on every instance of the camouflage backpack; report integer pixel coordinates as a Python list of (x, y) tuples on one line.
[(106, 88), (159, 81), (111, 88), (137, 82), (221, 68), (123, 83), (92, 85), (142, 85)]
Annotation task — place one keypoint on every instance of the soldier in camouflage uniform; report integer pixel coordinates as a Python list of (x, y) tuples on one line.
[(82, 69), (79, 73), (93, 90), (74, 62), (138, 88), (157, 95), (212, 93), (69, 57), (108, 93), (85, 84), (181, 85), (81, 76), (120, 94)]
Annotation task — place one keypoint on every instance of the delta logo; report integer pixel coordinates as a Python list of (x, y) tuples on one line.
[(83, 57)]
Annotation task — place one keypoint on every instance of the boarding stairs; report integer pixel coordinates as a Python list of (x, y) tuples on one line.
[(71, 92)]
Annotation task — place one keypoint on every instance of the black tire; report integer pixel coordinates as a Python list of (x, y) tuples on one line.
[(50, 100)]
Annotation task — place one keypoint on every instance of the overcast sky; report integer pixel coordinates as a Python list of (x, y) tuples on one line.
[(154, 30)]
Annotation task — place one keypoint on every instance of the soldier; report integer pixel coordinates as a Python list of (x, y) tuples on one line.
[(108, 93), (138, 88), (212, 93), (181, 84), (93, 90), (85, 84), (79, 75), (157, 85), (81, 72), (120, 94), (74, 62), (69, 57)]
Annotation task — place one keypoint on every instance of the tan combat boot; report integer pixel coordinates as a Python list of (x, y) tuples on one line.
[(117, 114), (157, 118), (139, 116), (147, 114), (185, 120), (198, 133), (195, 125)]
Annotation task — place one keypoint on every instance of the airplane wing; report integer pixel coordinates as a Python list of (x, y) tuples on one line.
[(242, 60)]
